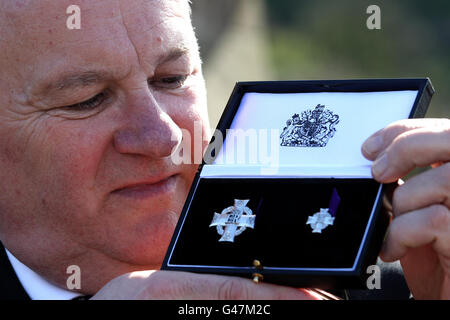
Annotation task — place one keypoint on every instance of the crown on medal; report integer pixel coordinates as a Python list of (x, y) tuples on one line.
[(312, 128)]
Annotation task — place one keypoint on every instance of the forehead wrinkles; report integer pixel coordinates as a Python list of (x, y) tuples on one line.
[(32, 12), (162, 24), (33, 21), (34, 24), (143, 16)]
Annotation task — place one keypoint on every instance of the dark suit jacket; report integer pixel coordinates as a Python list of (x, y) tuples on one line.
[(10, 287), (393, 285)]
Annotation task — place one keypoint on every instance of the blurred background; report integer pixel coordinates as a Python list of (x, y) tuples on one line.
[(244, 40)]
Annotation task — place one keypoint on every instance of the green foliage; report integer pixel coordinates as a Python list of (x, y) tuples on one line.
[(329, 39)]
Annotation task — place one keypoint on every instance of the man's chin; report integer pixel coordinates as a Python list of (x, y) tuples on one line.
[(145, 243)]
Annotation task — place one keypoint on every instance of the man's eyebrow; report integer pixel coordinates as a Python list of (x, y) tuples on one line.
[(173, 54), (85, 78), (74, 80)]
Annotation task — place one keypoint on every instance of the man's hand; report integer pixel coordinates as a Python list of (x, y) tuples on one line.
[(419, 234), (170, 285)]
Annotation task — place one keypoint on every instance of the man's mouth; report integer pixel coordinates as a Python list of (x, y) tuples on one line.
[(145, 190)]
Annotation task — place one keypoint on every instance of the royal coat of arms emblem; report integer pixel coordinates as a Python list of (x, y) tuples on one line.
[(312, 128)]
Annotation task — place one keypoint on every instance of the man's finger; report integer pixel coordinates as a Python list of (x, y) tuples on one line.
[(381, 139), (415, 148), (428, 188), (414, 229), (155, 285), (215, 287)]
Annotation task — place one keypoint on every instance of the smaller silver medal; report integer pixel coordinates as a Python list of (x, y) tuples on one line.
[(320, 220), (325, 217)]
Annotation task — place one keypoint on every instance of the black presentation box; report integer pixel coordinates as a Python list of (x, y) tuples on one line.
[(288, 197)]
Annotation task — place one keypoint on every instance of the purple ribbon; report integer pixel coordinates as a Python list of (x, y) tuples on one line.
[(259, 205), (334, 203)]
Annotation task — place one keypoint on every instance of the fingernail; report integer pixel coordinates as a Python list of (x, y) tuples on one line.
[(373, 144), (380, 166)]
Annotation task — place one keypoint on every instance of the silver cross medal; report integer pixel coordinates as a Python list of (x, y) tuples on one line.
[(232, 221), (320, 220)]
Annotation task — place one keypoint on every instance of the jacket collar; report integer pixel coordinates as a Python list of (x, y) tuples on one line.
[(10, 286)]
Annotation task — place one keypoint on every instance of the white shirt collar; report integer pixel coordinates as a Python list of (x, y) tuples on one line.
[(36, 286)]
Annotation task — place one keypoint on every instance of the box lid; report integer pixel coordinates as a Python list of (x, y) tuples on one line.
[(301, 128)]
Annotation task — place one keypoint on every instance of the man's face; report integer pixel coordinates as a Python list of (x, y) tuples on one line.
[(88, 120)]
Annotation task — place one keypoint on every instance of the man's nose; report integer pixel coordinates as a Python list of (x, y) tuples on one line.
[(148, 130)]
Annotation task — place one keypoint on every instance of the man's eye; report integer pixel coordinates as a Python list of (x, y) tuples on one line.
[(92, 103), (172, 82)]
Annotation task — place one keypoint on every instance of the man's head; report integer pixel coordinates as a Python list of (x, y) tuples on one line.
[(87, 125)]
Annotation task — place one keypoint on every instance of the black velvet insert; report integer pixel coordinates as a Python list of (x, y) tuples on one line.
[(281, 237)]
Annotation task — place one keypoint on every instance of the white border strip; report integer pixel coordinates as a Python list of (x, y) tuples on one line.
[(239, 171)]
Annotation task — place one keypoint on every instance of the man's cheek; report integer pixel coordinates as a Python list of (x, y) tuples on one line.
[(68, 174), (193, 116)]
